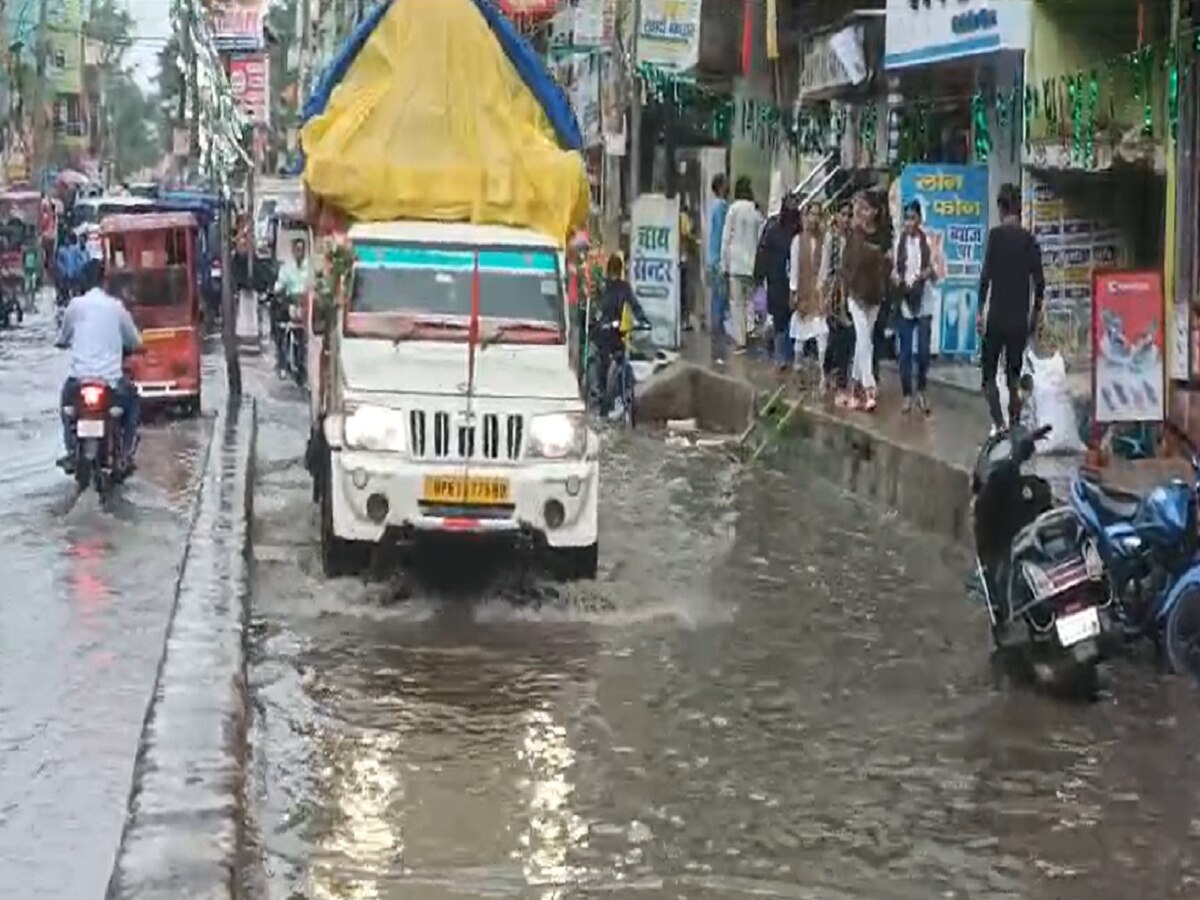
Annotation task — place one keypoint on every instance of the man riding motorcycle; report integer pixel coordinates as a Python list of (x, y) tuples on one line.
[(99, 332), (291, 287)]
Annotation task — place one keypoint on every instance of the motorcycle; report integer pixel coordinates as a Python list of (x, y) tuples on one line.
[(100, 459), (1151, 549), (1042, 577), (10, 301)]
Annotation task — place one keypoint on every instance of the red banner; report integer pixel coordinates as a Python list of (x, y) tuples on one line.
[(529, 9), (1129, 374), (250, 78)]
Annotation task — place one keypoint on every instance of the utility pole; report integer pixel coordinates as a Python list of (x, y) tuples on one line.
[(635, 111), (40, 123), (305, 32), (192, 80)]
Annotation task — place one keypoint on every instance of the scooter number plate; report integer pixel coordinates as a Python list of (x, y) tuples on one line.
[(90, 428), (1077, 627)]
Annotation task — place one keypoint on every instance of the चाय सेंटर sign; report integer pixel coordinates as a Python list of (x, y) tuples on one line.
[(654, 264)]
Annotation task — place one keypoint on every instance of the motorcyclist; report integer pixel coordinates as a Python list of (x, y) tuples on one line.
[(99, 331), (616, 299), (291, 287)]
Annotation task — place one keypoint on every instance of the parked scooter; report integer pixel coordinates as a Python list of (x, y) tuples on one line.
[(1042, 577), (1151, 550)]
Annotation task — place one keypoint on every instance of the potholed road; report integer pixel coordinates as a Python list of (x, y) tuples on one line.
[(772, 691), (84, 600)]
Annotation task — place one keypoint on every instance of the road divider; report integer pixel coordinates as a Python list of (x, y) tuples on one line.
[(183, 826)]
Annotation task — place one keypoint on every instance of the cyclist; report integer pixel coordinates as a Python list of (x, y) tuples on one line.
[(618, 304)]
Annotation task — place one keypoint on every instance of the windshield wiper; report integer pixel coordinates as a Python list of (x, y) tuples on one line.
[(497, 333)]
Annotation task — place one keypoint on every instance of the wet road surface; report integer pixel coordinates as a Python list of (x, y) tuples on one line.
[(772, 691), (84, 600)]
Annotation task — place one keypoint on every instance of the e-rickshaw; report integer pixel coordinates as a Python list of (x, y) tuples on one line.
[(20, 247), (150, 264)]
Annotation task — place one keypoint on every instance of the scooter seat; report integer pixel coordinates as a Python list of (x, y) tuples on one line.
[(1111, 505)]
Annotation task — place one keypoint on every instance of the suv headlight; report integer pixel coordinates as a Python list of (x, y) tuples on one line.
[(375, 428), (557, 436)]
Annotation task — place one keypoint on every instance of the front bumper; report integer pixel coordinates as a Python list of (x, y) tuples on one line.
[(358, 476), (167, 390)]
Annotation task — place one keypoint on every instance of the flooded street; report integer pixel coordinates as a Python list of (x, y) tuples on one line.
[(84, 603), (772, 691)]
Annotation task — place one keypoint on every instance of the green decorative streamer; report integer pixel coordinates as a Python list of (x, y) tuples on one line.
[(1093, 99), (983, 135), (1077, 118)]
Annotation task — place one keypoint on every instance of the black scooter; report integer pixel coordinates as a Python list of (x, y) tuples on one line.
[(1041, 576)]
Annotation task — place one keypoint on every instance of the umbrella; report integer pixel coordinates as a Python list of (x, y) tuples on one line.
[(71, 178)]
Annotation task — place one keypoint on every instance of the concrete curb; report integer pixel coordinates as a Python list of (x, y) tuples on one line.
[(929, 493), (182, 829)]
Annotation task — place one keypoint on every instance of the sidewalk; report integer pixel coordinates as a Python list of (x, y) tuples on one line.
[(919, 466)]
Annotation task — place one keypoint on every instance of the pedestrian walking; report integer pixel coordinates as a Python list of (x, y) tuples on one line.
[(1012, 271), (840, 353), (864, 272), (771, 266), (687, 254), (808, 311), (739, 246), (914, 276), (718, 303)]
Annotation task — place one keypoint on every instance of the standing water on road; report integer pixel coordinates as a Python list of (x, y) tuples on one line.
[(771, 691), (84, 602)]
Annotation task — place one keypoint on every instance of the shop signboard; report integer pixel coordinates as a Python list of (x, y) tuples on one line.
[(1128, 339), (922, 33), (954, 207), (249, 80), (237, 24), (654, 264), (593, 22), (669, 34), (833, 61)]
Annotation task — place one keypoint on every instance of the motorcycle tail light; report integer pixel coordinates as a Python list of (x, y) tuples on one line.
[(93, 396)]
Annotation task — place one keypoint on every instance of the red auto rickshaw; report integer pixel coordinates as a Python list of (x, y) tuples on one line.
[(150, 264)]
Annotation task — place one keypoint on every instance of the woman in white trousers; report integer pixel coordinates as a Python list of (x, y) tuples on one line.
[(864, 272)]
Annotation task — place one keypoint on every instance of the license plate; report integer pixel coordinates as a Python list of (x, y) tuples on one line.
[(449, 489), (90, 428), (1078, 626)]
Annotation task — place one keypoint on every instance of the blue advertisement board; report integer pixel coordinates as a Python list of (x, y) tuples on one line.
[(954, 205)]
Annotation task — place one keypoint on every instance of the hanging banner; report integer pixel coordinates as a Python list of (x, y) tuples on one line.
[(772, 30), (594, 23), (237, 24), (249, 79), (1128, 364), (654, 264), (64, 48), (954, 209), (669, 34)]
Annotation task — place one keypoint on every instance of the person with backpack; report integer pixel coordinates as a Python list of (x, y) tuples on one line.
[(913, 276)]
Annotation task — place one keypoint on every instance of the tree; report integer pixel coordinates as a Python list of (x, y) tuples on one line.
[(128, 119)]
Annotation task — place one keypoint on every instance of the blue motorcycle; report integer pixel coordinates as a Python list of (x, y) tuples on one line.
[(1151, 551)]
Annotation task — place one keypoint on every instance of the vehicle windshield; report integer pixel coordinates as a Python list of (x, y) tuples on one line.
[(157, 298), (436, 281)]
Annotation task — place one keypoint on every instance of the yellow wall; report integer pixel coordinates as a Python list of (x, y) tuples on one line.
[(1070, 37)]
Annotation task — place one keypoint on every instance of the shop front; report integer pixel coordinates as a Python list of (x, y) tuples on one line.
[(959, 67)]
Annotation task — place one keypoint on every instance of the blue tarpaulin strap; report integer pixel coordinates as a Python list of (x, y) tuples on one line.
[(527, 63)]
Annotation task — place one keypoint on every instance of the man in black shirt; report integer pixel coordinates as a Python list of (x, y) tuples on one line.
[(1012, 271)]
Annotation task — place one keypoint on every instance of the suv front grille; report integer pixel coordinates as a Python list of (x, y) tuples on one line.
[(495, 436)]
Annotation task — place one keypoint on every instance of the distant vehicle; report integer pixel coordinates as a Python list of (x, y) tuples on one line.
[(87, 213)]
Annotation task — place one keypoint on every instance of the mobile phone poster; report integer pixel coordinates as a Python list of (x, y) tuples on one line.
[(954, 209)]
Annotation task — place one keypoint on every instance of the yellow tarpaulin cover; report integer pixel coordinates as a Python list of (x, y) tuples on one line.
[(432, 121)]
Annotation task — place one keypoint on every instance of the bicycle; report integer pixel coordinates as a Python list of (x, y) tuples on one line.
[(619, 382)]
